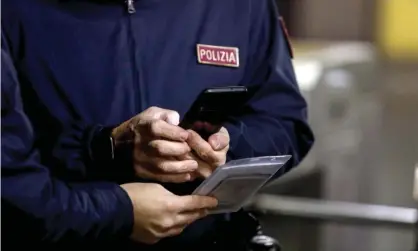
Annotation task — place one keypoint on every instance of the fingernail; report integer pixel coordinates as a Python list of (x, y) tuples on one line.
[(190, 167), (184, 135), (194, 165), (173, 118), (206, 173), (216, 202), (215, 144)]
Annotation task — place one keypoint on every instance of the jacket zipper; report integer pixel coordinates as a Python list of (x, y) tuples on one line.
[(131, 6), (137, 78)]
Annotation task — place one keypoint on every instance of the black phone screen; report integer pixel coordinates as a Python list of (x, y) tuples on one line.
[(213, 107)]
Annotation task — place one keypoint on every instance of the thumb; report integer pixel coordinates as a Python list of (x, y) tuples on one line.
[(196, 202), (219, 140)]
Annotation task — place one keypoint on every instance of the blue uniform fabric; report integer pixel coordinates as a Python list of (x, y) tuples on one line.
[(55, 208), (83, 64)]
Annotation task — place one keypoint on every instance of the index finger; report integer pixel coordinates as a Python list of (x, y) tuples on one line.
[(170, 116), (196, 202), (161, 129), (202, 148)]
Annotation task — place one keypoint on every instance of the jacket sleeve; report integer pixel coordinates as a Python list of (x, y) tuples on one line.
[(49, 209), (87, 144), (275, 121)]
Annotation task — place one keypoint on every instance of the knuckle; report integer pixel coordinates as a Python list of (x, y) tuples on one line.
[(163, 166), (194, 200), (140, 128), (193, 135), (132, 125), (169, 205), (204, 154), (137, 139), (172, 133), (167, 223), (156, 126), (159, 150), (154, 144), (152, 109)]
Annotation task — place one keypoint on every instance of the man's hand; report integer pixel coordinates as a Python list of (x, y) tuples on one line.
[(159, 213), (158, 141), (209, 154)]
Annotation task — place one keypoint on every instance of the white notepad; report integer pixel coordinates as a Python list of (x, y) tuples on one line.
[(234, 183)]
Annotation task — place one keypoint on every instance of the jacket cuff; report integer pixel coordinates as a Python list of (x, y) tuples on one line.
[(104, 160), (124, 218), (101, 211), (100, 145)]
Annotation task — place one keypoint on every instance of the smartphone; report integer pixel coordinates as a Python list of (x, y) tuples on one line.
[(212, 108)]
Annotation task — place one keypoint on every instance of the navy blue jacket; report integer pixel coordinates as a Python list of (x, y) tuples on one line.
[(82, 64)]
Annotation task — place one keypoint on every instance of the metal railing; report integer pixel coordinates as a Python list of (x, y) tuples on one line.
[(336, 211)]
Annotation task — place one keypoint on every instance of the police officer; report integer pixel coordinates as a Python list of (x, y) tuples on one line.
[(161, 213), (104, 84)]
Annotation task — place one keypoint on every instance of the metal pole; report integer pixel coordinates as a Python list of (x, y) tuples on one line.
[(336, 211), (415, 196)]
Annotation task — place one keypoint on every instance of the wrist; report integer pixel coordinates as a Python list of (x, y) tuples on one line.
[(122, 133), (102, 147), (115, 135)]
